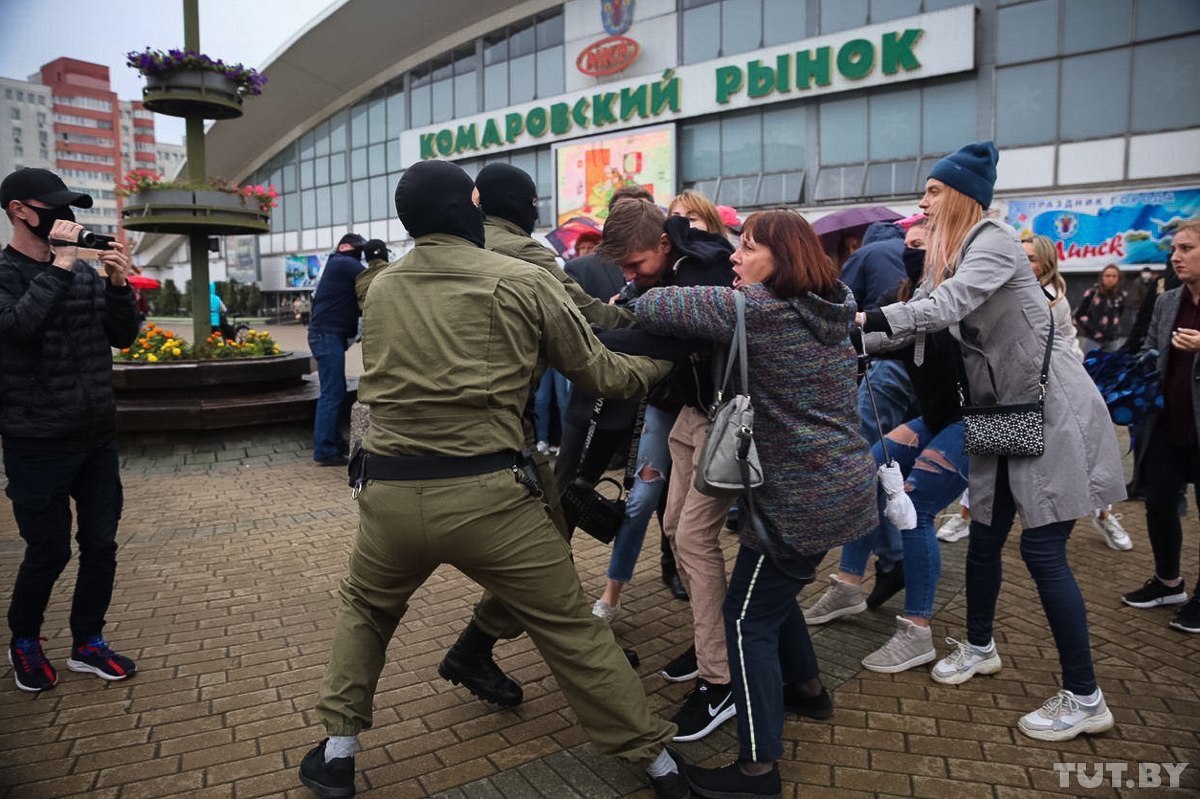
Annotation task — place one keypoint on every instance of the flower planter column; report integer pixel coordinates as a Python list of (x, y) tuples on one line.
[(197, 172)]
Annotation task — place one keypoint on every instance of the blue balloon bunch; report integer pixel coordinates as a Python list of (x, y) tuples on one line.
[(1130, 385)]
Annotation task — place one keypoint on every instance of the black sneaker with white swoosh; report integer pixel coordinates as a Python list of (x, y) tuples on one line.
[(704, 709)]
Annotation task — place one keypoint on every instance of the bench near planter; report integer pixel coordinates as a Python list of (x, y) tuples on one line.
[(184, 211), (192, 93)]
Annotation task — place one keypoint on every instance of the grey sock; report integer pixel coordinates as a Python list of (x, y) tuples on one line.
[(340, 746), (663, 765)]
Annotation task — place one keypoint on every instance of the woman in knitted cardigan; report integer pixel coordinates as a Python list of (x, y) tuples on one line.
[(820, 478)]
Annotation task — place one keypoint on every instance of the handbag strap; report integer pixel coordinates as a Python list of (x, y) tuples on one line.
[(887, 456), (635, 438), (737, 350), (592, 423), (1042, 379)]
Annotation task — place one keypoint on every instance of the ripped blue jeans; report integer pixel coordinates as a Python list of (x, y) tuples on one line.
[(654, 459), (935, 472)]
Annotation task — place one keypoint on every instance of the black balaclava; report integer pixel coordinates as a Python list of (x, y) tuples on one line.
[(509, 193), (435, 197)]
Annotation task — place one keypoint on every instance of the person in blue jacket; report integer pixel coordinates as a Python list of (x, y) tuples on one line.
[(331, 330)]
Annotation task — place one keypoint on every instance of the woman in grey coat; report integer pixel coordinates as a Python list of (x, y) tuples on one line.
[(978, 284)]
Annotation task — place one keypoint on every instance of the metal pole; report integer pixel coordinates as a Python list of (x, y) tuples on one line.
[(197, 242)]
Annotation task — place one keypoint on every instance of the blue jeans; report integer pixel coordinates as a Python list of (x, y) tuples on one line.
[(935, 471), (643, 497), (895, 401), (768, 645), (556, 384), (1044, 550), (330, 351)]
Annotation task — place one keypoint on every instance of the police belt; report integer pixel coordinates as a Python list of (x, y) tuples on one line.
[(428, 467)]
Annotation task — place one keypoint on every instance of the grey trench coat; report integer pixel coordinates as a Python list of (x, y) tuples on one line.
[(995, 308)]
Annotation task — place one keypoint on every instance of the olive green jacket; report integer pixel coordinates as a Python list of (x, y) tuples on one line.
[(363, 281), (508, 239), (451, 337)]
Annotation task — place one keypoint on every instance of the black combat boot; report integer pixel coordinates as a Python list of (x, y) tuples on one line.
[(469, 663)]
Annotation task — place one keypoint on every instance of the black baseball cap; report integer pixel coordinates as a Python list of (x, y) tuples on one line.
[(42, 185), (352, 239)]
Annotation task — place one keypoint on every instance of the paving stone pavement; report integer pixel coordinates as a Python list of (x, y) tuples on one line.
[(232, 545)]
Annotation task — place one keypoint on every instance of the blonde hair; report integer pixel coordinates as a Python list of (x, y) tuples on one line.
[(701, 206), (1047, 256), (1190, 226), (957, 214)]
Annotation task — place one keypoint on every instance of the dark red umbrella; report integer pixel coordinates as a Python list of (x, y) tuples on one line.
[(141, 282), (850, 222), (563, 237)]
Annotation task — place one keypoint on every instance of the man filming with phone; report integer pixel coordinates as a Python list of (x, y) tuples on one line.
[(58, 420)]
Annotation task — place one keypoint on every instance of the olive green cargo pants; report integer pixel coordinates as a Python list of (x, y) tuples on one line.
[(490, 529)]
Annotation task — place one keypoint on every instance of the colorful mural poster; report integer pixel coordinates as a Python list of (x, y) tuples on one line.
[(1092, 230), (590, 170), (301, 271)]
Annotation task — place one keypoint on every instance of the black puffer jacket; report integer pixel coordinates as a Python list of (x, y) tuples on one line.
[(56, 330)]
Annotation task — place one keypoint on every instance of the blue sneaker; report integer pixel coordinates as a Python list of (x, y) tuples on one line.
[(31, 670), (95, 657)]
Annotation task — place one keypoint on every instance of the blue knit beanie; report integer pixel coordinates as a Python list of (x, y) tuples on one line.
[(971, 170)]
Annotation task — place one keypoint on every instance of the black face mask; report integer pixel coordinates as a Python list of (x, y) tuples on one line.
[(46, 219), (435, 197), (914, 264)]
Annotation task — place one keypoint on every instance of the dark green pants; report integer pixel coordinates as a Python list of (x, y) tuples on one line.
[(490, 529)]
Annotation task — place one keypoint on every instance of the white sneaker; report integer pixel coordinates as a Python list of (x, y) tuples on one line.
[(840, 599), (964, 662), (911, 646), (956, 528), (606, 611), (1114, 534), (1063, 717), (543, 448)]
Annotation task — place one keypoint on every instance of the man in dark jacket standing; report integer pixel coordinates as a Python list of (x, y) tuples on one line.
[(331, 331), (58, 420)]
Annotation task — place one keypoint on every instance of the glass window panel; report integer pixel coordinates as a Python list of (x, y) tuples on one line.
[(1095, 24), (471, 166), (783, 21), (785, 132), (883, 10), (376, 159), (545, 172), (699, 150), (545, 212), (698, 3), (938, 5), (321, 171), (526, 162), (393, 156), (495, 86), (291, 211), (843, 131), (360, 194), (1166, 17), (550, 32), (421, 107), (321, 140), (442, 71), (550, 72), (839, 183), (781, 188), (948, 116), (1164, 84), (522, 79), (1095, 95), (308, 208), (885, 180), (324, 209), (495, 49), (358, 162), (466, 102), (306, 145), (1027, 32), (701, 34), (739, 191), (307, 175), (706, 187), (741, 144), (521, 42), (395, 114), (287, 181), (339, 204), (337, 168), (443, 100), (377, 120), (358, 125), (465, 61), (840, 15), (1026, 104), (277, 218), (337, 132), (895, 124), (381, 198), (741, 26)]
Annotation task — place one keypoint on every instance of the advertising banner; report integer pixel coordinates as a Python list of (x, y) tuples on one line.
[(240, 262), (590, 170), (301, 271), (1093, 230)]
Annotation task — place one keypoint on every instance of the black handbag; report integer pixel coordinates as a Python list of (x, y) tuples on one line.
[(583, 505), (1011, 430)]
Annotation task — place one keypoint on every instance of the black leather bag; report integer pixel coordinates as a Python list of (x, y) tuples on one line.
[(583, 505), (1012, 430)]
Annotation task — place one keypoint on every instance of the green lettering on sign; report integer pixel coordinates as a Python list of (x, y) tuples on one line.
[(633, 101), (560, 118), (536, 121), (664, 93), (513, 125), (445, 142), (898, 51), (579, 112), (427, 150), (783, 73), (729, 83), (466, 139), (491, 135), (856, 59), (810, 67), (761, 80), (602, 109)]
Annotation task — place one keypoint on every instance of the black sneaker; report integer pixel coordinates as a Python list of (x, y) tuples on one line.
[(704, 709), (31, 670), (1154, 593), (675, 584), (810, 707), (1188, 618), (332, 460), (675, 785), (332, 780), (682, 668), (730, 782), (887, 584), (95, 657)]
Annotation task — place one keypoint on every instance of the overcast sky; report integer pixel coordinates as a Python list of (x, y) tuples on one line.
[(33, 32)]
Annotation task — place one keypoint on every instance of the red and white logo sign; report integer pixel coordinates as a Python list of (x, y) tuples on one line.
[(607, 56)]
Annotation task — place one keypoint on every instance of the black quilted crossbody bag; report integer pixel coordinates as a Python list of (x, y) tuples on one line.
[(1013, 430)]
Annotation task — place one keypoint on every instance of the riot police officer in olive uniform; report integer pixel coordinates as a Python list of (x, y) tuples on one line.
[(452, 336)]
